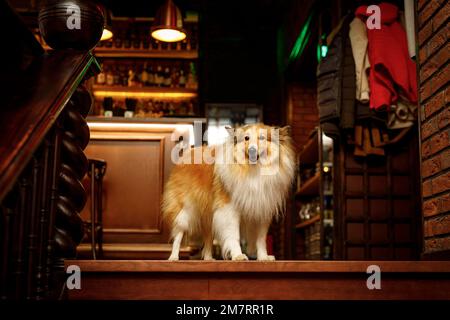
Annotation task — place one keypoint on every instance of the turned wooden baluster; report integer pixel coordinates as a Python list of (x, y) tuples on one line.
[(41, 279), (19, 232), (36, 190), (9, 211), (72, 197)]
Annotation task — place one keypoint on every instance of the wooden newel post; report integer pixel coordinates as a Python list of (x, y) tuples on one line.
[(71, 198)]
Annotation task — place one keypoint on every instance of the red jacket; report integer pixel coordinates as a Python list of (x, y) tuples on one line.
[(392, 71)]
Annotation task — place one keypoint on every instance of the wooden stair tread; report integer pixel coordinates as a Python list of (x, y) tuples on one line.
[(160, 247), (252, 280), (135, 251), (259, 266)]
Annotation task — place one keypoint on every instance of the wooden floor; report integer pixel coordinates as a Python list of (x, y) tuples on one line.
[(285, 280)]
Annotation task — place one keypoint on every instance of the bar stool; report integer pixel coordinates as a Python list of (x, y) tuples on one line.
[(94, 227)]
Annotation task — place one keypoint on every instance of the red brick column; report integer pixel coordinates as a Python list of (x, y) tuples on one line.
[(434, 76), (303, 115)]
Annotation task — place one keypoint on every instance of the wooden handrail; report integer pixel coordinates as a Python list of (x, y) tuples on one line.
[(45, 88)]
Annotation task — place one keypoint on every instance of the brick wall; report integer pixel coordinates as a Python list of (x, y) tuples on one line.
[(434, 76), (303, 115)]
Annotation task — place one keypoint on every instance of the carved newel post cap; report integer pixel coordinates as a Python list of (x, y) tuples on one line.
[(75, 24)]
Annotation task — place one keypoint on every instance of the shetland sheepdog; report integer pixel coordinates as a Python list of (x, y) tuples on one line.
[(232, 194)]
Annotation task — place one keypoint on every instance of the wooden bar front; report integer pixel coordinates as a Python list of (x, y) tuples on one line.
[(138, 157)]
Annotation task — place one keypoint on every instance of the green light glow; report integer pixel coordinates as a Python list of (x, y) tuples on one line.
[(323, 51), (302, 40)]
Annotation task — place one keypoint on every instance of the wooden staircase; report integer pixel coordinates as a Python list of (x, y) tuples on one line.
[(280, 280), (135, 251)]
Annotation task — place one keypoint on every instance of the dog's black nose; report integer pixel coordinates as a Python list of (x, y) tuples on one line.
[(253, 153)]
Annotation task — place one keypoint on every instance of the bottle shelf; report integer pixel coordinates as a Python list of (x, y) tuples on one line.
[(308, 222), (310, 187), (143, 92), (145, 53), (310, 152)]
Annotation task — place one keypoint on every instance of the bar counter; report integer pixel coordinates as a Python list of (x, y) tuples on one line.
[(138, 156)]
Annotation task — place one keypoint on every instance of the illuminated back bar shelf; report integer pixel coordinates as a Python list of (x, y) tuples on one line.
[(143, 92), (145, 54)]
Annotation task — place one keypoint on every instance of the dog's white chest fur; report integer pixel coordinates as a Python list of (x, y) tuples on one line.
[(256, 197)]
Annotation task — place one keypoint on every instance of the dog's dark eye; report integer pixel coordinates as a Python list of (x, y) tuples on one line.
[(247, 138)]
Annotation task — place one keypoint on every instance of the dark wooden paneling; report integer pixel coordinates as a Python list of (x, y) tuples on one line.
[(138, 164), (132, 186), (378, 203)]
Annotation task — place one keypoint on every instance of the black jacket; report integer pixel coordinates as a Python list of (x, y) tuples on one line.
[(336, 84)]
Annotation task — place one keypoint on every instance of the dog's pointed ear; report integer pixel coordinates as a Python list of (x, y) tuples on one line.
[(285, 131), (230, 131)]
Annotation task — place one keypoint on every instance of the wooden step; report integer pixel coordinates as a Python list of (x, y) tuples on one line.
[(286, 280), (135, 251)]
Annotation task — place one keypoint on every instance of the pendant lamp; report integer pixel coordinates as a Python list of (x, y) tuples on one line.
[(168, 24), (107, 29)]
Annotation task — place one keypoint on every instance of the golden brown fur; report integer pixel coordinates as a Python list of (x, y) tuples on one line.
[(196, 194)]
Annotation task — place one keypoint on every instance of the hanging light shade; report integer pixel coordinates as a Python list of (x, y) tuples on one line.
[(107, 29), (168, 24)]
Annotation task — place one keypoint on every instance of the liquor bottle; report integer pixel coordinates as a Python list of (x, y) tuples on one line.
[(124, 77), (159, 76), (101, 77), (117, 80), (151, 76), (130, 107), (191, 80), (175, 76), (144, 75), (188, 45), (109, 77), (155, 44), (145, 42), (118, 40), (109, 43), (108, 107), (131, 78), (167, 77), (135, 39), (191, 108), (191, 83), (171, 108), (118, 109), (184, 44), (182, 79), (127, 41)]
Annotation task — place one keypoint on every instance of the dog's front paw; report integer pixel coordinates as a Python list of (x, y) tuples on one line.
[(240, 257), (174, 258), (266, 258)]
